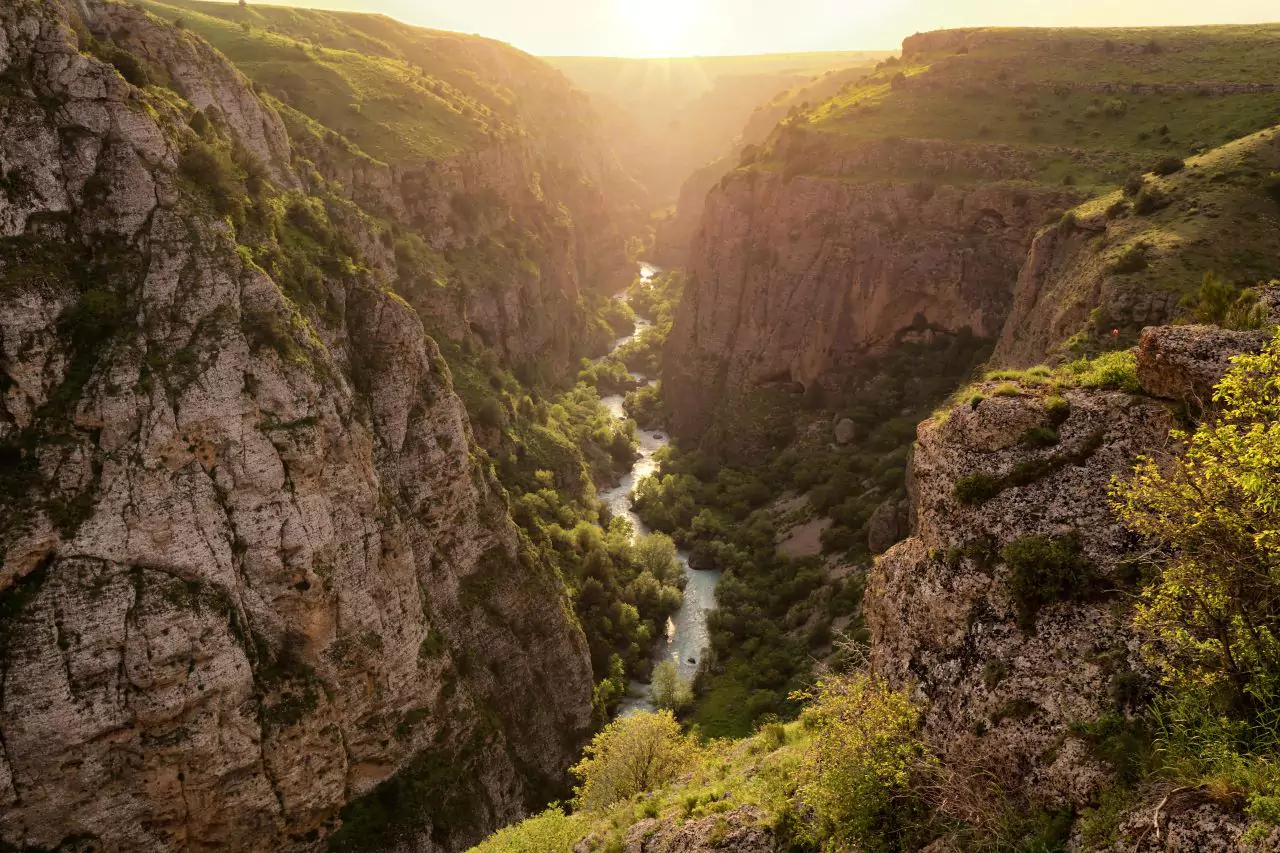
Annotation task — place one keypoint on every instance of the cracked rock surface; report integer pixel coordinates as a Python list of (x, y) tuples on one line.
[(251, 568)]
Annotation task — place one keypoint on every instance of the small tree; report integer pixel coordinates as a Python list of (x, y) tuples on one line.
[(1211, 615), (632, 755), (671, 690), (859, 768)]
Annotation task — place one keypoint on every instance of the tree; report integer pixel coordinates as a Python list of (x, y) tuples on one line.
[(859, 767), (632, 755), (656, 554), (670, 689), (1211, 614)]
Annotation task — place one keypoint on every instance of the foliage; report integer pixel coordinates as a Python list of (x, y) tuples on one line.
[(632, 755), (1219, 302), (1210, 615), (1045, 570), (670, 690), (552, 831), (857, 774)]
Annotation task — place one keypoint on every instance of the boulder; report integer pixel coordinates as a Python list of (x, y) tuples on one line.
[(1187, 362), (846, 431), (888, 526)]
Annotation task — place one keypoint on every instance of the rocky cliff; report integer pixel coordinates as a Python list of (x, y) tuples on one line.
[(796, 280), (483, 153), (253, 568), (942, 190)]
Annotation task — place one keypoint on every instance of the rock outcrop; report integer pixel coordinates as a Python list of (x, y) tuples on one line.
[(1003, 678), (1187, 362), (253, 566)]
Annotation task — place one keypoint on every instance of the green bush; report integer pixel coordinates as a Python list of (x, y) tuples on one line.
[(977, 488), (1044, 570), (1168, 166), (1130, 260), (633, 755), (857, 775)]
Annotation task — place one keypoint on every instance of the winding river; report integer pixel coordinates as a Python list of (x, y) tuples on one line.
[(686, 635)]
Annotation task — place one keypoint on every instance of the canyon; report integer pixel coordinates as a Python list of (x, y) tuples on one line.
[(326, 520)]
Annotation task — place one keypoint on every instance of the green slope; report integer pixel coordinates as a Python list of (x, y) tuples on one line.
[(397, 92), (1078, 106)]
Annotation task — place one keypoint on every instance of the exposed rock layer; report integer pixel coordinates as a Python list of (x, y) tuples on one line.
[(251, 565)]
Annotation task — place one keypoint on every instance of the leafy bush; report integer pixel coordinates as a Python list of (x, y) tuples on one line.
[(1215, 512), (858, 771), (1168, 166), (1043, 571), (1112, 371), (632, 755), (977, 488), (552, 831), (1149, 200), (1130, 260)]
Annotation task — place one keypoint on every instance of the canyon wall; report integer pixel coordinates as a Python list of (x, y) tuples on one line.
[(253, 566), (793, 281)]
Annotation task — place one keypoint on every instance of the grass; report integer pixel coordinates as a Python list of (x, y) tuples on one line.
[(396, 92), (1055, 118)]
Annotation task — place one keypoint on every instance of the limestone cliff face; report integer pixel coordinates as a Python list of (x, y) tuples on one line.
[(1000, 693), (252, 566), (527, 311), (795, 280)]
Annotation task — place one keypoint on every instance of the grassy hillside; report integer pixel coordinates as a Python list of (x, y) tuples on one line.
[(1087, 107), (397, 92)]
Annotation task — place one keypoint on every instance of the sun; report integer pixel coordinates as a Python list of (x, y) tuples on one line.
[(656, 27)]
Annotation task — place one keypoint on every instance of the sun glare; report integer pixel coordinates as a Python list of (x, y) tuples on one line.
[(657, 27)]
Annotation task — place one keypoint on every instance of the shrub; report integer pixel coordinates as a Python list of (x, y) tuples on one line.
[(977, 488), (1149, 200), (858, 770), (1168, 166), (1134, 184), (1211, 611), (632, 755), (1045, 570), (1130, 260), (1112, 371), (550, 832)]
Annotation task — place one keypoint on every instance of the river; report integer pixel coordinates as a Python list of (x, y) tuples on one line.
[(686, 634)]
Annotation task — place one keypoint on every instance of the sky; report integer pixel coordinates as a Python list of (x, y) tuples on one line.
[(715, 27)]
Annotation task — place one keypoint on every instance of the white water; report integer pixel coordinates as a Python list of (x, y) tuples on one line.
[(686, 635)]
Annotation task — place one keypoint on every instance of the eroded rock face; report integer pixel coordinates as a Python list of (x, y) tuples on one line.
[(796, 281), (1001, 696), (1187, 362), (251, 567)]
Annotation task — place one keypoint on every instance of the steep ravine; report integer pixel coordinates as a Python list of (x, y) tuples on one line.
[(254, 568)]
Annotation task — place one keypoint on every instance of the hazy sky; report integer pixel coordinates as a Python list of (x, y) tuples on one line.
[(706, 27)]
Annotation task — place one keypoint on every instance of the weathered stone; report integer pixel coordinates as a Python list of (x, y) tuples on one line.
[(799, 280), (258, 572), (1001, 698), (742, 830), (846, 431), (888, 525), (1187, 362)]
